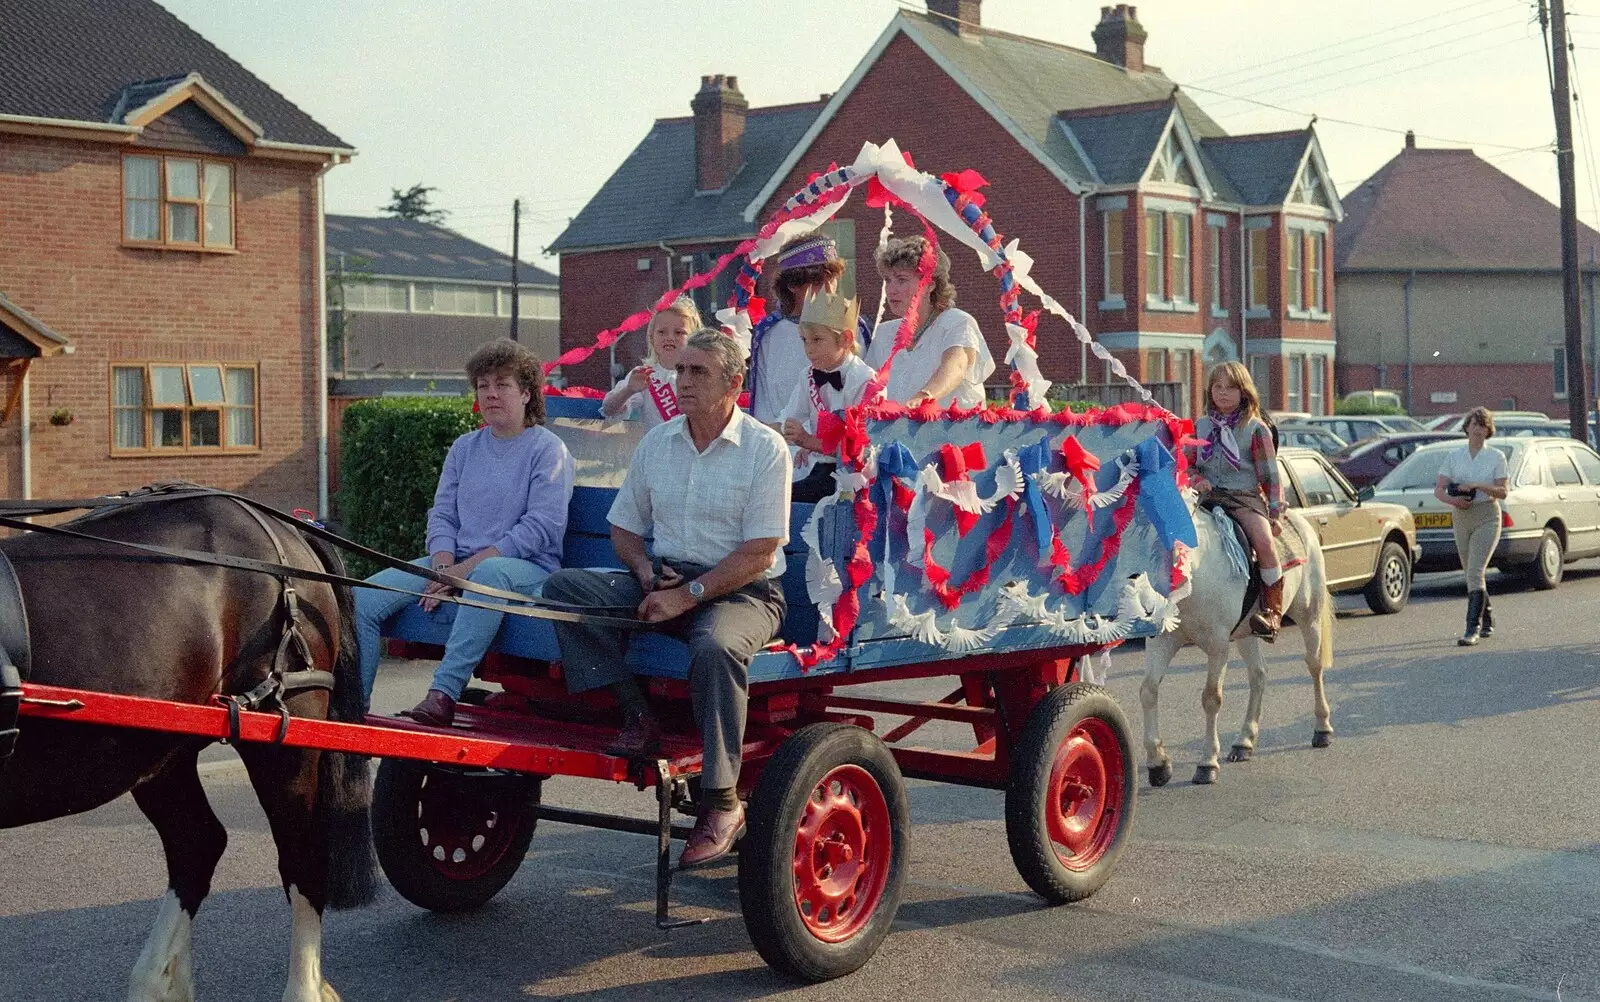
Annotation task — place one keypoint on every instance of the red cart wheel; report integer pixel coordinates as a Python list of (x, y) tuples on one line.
[(822, 867), (449, 840), (1068, 803)]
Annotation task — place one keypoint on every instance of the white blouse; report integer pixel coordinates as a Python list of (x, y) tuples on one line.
[(1460, 466), (914, 366)]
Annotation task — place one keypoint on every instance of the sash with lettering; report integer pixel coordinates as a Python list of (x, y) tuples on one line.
[(665, 397)]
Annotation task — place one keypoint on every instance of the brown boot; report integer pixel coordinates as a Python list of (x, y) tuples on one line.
[(1265, 623), (437, 709), (640, 737)]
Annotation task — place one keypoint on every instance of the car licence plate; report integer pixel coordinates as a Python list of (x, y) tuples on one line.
[(1433, 520)]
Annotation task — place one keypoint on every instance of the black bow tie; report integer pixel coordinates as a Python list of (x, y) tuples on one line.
[(835, 379)]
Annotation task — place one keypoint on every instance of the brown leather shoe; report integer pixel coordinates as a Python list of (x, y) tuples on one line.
[(713, 837), (436, 709), (640, 737)]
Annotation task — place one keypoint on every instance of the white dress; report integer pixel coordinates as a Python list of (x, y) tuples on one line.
[(780, 365), (642, 405), (857, 374), (914, 366)]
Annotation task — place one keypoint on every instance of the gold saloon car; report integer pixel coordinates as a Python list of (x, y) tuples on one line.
[(1368, 546)]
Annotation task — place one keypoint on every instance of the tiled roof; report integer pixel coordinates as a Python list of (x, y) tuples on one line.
[(1119, 141), (76, 59), (652, 198), (1259, 168), (1031, 80), (1449, 210), (420, 250), (30, 328)]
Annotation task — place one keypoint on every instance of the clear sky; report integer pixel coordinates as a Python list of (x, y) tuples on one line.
[(494, 99)]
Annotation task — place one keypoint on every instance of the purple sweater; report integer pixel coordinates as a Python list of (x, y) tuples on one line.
[(508, 493)]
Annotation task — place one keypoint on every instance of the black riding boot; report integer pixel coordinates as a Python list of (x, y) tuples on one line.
[(1474, 613), (1486, 623)]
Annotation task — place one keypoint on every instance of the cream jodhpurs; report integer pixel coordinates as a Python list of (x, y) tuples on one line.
[(1477, 534)]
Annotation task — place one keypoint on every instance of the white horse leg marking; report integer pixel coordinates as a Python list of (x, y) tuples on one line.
[(305, 953), (1211, 703), (165, 969), (1250, 730), (1158, 654)]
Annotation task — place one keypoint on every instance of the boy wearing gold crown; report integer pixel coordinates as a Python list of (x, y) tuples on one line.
[(836, 381)]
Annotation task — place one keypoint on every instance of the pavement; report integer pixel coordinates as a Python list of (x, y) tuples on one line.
[(1443, 848)]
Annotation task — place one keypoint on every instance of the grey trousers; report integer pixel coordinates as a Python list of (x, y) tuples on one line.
[(1477, 534), (723, 635)]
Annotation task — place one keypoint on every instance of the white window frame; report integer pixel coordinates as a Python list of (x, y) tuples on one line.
[(1180, 250), (1296, 380), (1214, 270), (1155, 256), (1317, 391), (1295, 259), (1114, 221), (1262, 263)]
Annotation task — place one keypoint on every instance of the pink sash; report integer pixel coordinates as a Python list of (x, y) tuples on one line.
[(666, 398), (816, 396)]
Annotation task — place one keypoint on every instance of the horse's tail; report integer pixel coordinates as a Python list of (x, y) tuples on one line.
[(344, 788)]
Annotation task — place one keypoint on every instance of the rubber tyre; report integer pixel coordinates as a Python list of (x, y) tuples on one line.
[(439, 868), (1390, 588), (1042, 764), (1540, 574), (776, 849)]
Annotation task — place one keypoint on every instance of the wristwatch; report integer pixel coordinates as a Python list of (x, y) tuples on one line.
[(697, 591)]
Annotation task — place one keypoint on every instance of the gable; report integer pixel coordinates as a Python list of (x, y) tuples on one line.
[(187, 127)]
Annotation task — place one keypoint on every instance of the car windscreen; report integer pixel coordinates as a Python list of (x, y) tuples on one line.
[(1404, 424), (1421, 468)]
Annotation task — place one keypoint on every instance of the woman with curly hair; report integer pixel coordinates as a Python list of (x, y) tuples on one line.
[(808, 264), (498, 518), (947, 359)]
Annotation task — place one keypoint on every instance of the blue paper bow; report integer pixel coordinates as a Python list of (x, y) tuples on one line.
[(1159, 496), (1036, 459), (894, 460)]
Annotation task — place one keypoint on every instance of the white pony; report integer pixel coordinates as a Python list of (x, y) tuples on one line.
[(1210, 619)]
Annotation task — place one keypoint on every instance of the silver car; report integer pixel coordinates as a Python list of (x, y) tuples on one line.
[(1550, 517)]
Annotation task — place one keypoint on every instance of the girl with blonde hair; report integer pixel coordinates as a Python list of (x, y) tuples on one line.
[(651, 388), (1236, 468)]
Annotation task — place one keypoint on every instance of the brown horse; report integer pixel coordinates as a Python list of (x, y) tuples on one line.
[(108, 619)]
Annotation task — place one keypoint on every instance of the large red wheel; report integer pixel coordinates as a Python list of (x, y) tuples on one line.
[(448, 840), (1069, 800), (822, 867)]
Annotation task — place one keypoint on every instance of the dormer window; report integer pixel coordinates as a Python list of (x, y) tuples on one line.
[(178, 202), (1172, 164)]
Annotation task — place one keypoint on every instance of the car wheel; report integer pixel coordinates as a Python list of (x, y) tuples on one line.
[(1545, 571), (1390, 587)]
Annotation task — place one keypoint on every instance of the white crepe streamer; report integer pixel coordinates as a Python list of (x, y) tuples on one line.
[(1066, 487), (883, 241)]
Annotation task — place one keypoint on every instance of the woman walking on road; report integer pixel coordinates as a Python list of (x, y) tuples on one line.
[(1473, 482)]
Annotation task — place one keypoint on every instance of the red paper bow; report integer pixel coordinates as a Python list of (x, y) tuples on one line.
[(967, 183), (957, 461), (1080, 461), (845, 438)]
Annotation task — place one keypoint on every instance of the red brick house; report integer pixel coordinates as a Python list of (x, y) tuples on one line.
[(161, 261), (1177, 244), (1448, 277)]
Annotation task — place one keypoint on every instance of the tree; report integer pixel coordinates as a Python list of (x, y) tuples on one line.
[(414, 204)]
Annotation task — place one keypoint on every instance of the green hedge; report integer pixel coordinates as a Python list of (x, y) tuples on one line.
[(1363, 406), (392, 451)]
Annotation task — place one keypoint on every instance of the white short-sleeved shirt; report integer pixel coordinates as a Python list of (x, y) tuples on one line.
[(641, 406), (1489, 465), (780, 364), (914, 366), (856, 375), (700, 506)]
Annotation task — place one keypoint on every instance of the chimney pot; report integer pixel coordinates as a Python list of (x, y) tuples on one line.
[(1411, 140), (1119, 37), (719, 115)]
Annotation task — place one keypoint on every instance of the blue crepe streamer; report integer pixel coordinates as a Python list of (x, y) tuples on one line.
[(1159, 496), (1036, 459)]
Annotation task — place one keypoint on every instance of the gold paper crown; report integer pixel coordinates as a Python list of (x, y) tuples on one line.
[(830, 310)]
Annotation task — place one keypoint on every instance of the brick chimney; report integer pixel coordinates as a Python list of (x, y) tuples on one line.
[(960, 16), (1119, 37), (719, 111)]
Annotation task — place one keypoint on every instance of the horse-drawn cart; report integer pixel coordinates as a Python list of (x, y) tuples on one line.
[(999, 548)]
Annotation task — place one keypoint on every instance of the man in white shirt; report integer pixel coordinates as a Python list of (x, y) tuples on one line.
[(711, 488)]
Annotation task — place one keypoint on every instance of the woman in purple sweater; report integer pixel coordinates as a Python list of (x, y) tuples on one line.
[(498, 518)]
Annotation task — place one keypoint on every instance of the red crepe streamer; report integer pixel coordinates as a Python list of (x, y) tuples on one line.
[(938, 577), (1074, 582), (585, 392)]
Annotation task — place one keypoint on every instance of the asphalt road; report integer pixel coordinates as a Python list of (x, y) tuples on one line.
[(1443, 848)]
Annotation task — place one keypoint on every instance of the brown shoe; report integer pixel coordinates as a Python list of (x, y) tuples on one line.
[(1266, 623), (640, 737), (713, 837), (436, 709)]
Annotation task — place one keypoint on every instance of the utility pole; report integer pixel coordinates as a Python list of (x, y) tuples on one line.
[(1577, 384), (516, 252)]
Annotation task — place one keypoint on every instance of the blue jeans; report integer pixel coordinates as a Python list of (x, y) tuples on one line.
[(470, 635)]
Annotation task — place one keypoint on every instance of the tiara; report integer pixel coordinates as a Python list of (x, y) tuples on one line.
[(831, 310), (814, 250)]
